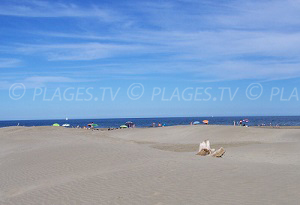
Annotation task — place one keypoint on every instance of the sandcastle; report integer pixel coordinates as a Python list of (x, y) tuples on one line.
[(204, 150)]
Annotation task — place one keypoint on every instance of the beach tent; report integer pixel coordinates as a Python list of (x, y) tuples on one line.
[(55, 125), (196, 123), (92, 125), (129, 124), (205, 122), (123, 126)]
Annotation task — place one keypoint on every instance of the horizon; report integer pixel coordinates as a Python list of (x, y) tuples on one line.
[(242, 116), (91, 59)]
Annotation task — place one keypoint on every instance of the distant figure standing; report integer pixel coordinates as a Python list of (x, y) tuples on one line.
[(153, 124), (233, 123)]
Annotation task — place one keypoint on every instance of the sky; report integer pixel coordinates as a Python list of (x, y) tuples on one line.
[(113, 59)]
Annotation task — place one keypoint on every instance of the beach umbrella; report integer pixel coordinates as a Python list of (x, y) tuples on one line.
[(129, 124), (196, 123), (205, 121), (123, 126), (55, 125)]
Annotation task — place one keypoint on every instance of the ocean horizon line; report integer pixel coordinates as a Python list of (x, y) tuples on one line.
[(111, 118)]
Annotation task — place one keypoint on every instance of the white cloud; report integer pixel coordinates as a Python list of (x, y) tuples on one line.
[(79, 51), (9, 62), (235, 70), (34, 81), (4, 85), (227, 54), (49, 79), (35, 8), (202, 39), (262, 15)]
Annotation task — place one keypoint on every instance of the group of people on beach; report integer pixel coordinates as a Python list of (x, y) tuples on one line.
[(158, 124), (264, 125), (243, 122)]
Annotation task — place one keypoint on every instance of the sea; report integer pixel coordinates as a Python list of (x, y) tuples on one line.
[(167, 121)]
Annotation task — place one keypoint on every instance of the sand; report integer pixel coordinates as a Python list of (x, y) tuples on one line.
[(55, 165)]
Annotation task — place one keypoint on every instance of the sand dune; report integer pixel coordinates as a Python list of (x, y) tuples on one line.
[(48, 165)]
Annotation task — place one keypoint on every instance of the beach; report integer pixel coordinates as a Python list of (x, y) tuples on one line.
[(56, 165)]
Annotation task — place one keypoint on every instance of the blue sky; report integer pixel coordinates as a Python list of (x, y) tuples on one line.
[(162, 44)]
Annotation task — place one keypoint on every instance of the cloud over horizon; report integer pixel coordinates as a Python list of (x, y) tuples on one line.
[(201, 41)]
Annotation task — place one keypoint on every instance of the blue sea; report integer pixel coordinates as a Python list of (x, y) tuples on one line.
[(168, 121)]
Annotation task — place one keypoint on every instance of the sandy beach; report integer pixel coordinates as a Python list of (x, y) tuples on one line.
[(55, 165)]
